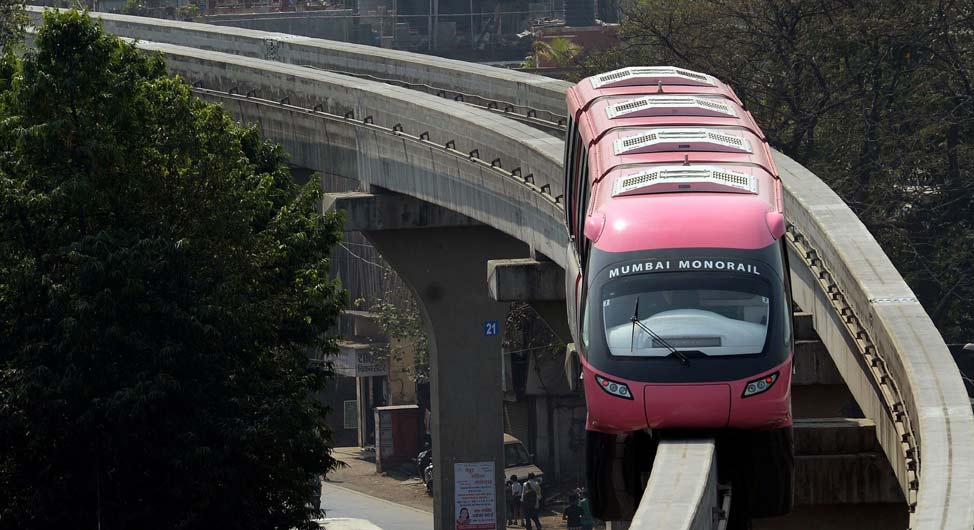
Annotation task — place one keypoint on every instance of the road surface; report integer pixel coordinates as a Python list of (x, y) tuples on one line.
[(340, 502)]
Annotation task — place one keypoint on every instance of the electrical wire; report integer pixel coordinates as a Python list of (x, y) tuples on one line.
[(360, 258)]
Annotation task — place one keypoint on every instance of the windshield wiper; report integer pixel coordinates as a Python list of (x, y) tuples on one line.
[(632, 341)]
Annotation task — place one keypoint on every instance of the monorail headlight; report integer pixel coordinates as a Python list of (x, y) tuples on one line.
[(759, 386), (614, 388)]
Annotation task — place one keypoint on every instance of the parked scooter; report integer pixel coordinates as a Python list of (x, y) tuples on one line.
[(428, 479), (423, 459)]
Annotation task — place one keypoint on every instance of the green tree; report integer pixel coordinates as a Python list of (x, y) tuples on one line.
[(12, 21), (134, 8), (162, 283), (875, 97), (557, 52), (398, 315)]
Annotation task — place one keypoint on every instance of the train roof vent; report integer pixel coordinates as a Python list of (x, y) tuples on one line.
[(651, 75), (670, 106), (658, 140), (669, 179)]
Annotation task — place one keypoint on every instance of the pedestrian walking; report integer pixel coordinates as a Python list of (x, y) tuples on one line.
[(573, 514), (514, 491), (531, 502), (588, 522)]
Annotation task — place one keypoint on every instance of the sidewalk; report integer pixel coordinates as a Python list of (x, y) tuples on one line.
[(359, 475)]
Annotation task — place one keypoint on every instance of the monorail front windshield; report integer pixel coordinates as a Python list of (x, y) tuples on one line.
[(649, 315)]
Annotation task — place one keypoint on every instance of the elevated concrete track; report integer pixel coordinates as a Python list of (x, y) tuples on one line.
[(506, 175)]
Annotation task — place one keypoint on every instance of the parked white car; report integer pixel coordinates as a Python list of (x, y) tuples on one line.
[(517, 460)]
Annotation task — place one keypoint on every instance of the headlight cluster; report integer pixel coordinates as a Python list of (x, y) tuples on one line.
[(758, 386), (614, 388)]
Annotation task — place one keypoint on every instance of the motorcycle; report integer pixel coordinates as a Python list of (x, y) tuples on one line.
[(428, 479), (423, 459)]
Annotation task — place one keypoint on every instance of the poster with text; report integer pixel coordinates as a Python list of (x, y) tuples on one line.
[(474, 494)]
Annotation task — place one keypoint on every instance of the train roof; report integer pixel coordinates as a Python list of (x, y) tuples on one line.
[(677, 145), (675, 161), (641, 80), (706, 220), (611, 112)]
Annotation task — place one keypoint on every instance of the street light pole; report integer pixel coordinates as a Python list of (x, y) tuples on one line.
[(436, 23)]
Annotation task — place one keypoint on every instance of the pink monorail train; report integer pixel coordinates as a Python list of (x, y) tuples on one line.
[(678, 289)]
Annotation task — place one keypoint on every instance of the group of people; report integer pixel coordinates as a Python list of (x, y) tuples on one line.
[(524, 504), (523, 501)]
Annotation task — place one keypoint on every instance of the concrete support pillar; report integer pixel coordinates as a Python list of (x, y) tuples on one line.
[(445, 268)]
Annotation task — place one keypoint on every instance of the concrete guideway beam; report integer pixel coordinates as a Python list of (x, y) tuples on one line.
[(682, 489), (525, 90), (835, 436), (842, 349), (391, 211), (886, 348), (839, 461), (391, 148)]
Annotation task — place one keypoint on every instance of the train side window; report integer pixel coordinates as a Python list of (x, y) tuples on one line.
[(577, 182), (586, 252), (585, 326), (583, 198), (569, 166)]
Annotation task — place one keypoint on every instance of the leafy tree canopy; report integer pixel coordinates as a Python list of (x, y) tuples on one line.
[(162, 283), (876, 97), (12, 21)]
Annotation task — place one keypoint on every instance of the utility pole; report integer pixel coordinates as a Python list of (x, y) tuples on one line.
[(436, 23)]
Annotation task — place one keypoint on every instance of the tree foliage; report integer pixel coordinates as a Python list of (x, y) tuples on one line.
[(12, 22), (161, 284), (558, 53), (398, 315), (876, 97)]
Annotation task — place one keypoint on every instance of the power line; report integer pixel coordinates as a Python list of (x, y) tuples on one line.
[(360, 258)]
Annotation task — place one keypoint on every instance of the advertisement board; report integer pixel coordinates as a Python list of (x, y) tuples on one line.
[(475, 495)]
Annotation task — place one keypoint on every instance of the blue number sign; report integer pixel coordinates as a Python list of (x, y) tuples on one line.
[(490, 328)]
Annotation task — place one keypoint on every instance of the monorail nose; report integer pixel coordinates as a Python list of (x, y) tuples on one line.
[(688, 406)]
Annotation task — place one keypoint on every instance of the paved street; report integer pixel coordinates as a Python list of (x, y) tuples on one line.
[(341, 502)]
